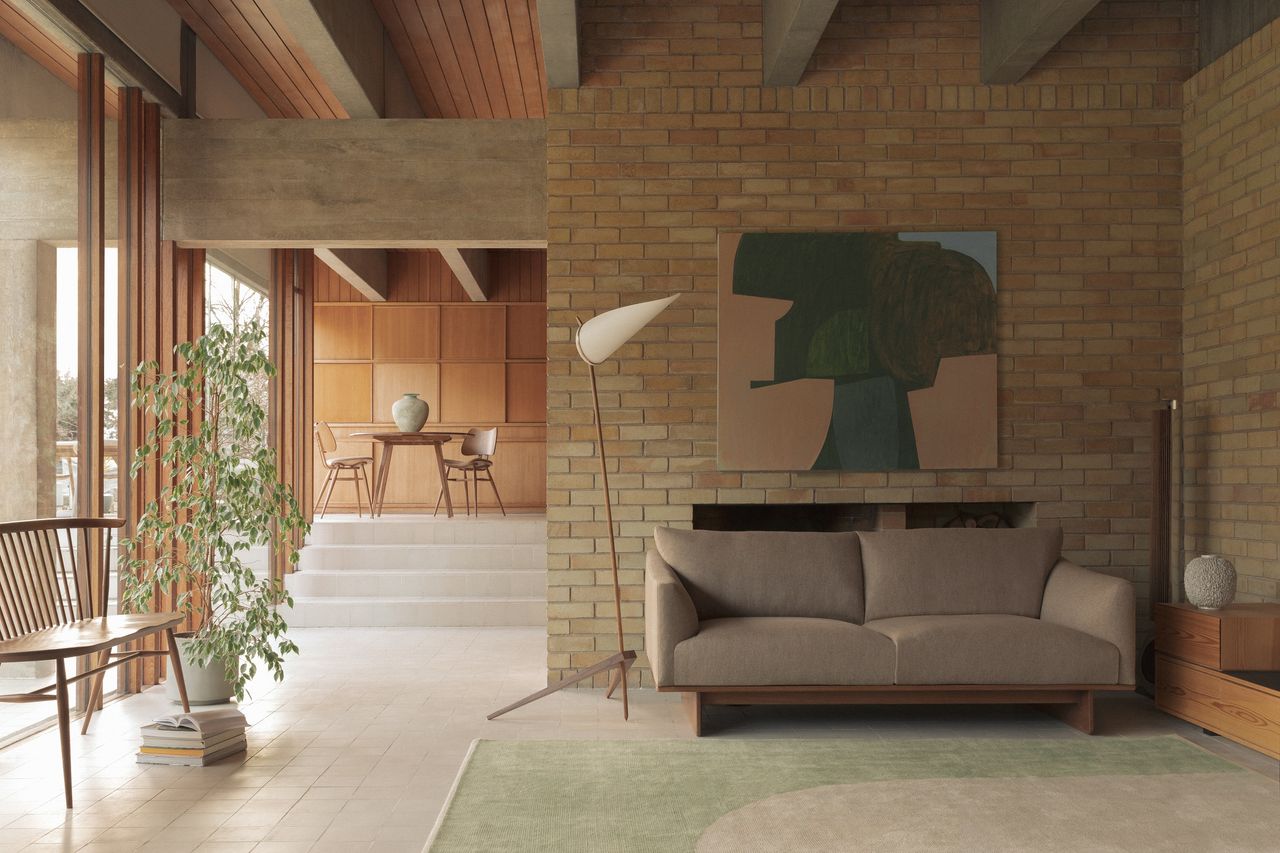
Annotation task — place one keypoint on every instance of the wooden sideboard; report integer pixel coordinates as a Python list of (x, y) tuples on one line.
[(1220, 669)]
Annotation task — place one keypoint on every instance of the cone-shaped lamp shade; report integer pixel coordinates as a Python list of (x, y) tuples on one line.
[(600, 337)]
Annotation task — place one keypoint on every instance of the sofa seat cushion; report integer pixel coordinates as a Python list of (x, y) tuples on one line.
[(996, 649), (783, 650), (755, 573)]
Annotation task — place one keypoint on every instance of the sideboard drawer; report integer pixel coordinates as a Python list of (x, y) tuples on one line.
[(1221, 703), (1189, 635)]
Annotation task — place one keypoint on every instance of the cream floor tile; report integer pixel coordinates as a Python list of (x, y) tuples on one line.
[(357, 750)]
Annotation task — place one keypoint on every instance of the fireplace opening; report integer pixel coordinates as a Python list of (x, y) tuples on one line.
[(844, 517)]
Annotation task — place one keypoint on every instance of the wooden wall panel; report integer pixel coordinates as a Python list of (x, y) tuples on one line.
[(343, 332), (527, 392), (406, 331), (343, 393), (473, 393), (518, 275), (421, 275), (527, 331), (473, 332), (392, 380), (330, 287)]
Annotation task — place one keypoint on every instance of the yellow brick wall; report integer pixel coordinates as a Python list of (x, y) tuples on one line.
[(672, 141), (1231, 313)]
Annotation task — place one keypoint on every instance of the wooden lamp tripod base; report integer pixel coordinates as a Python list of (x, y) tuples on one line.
[(619, 663)]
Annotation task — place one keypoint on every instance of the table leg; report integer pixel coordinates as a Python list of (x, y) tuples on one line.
[(444, 479), (384, 473)]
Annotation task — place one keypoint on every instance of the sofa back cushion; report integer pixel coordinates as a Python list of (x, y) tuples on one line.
[(766, 573), (953, 571)]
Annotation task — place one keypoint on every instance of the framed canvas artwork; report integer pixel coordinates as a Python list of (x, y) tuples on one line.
[(857, 351)]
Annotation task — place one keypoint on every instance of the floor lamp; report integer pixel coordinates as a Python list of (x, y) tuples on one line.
[(597, 340)]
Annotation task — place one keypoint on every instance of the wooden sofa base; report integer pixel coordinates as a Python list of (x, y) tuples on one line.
[(1071, 703)]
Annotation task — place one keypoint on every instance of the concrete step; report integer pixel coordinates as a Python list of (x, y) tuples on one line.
[(422, 558), (425, 530), (380, 584), (422, 611)]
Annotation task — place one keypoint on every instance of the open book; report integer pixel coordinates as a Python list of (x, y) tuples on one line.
[(206, 723)]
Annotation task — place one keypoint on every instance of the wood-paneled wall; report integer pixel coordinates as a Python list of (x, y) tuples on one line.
[(476, 364)]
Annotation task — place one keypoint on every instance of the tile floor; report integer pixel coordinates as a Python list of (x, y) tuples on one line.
[(357, 749)]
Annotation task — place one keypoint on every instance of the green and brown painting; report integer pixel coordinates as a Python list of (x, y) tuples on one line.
[(857, 351)]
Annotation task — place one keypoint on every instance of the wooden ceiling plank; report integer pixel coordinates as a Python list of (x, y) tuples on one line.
[(439, 44), (455, 32), (277, 39), (524, 34), (481, 38), (19, 29), (215, 34), (250, 44), (505, 51), (454, 103), (398, 31)]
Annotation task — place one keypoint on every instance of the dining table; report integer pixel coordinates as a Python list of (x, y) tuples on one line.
[(390, 441)]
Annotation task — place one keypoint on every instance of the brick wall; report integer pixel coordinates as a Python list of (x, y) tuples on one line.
[(672, 141), (1231, 313)]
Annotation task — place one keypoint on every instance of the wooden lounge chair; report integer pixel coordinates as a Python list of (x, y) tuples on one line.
[(53, 606)]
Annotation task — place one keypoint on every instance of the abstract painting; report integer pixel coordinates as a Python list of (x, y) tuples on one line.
[(857, 351)]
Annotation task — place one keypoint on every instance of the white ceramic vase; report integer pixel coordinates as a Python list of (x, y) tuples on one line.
[(410, 413), (1209, 582), (206, 685)]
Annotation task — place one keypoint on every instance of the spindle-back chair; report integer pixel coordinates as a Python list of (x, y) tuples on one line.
[(54, 588)]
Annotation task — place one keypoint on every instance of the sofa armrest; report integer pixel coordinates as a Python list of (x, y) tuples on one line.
[(1095, 604), (669, 617)]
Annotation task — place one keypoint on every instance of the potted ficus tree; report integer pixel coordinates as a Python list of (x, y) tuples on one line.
[(222, 499)]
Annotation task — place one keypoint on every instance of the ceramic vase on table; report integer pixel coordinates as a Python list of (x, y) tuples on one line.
[(410, 413), (1209, 582)]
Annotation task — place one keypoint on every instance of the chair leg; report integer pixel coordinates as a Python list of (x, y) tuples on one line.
[(466, 491), (495, 492), (64, 727), (439, 498), (368, 492), (95, 692), (333, 473), (176, 664), (322, 499), (355, 484)]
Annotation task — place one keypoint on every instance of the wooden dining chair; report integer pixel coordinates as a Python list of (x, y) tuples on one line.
[(337, 466), (53, 606), (479, 445)]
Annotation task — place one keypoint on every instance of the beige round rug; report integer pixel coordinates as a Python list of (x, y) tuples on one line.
[(1173, 812)]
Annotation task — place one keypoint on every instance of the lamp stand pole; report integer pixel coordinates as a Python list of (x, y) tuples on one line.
[(621, 662)]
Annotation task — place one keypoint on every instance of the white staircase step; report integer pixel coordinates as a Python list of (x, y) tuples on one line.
[(416, 612), (425, 530), (463, 584), (413, 558)]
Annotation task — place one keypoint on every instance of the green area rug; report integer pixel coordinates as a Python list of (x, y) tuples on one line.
[(737, 796)]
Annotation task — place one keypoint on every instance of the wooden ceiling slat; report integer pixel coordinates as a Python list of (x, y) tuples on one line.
[(524, 34), (290, 58), (475, 25), (27, 36), (441, 42), (397, 30), (249, 44), (220, 38), (503, 49)]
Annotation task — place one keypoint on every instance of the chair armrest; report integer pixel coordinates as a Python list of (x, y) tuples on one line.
[(669, 618), (1095, 604)]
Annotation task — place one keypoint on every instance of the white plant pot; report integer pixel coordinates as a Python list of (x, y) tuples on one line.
[(206, 685)]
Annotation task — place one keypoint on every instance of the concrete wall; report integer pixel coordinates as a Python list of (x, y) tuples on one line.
[(673, 140), (1231, 314)]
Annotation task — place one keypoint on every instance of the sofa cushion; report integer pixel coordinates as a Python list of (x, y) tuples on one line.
[(957, 570), (754, 573), (996, 649), (783, 650)]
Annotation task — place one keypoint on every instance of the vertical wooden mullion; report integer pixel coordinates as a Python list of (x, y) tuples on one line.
[(91, 252)]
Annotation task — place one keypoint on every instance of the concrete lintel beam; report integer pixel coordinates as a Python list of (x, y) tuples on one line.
[(792, 29), (558, 23), (471, 266), (1016, 34), (363, 269)]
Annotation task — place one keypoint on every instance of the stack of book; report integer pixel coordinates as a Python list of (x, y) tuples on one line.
[(194, 739)]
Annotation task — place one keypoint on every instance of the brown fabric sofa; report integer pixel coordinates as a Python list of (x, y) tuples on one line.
[(909, 616)]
